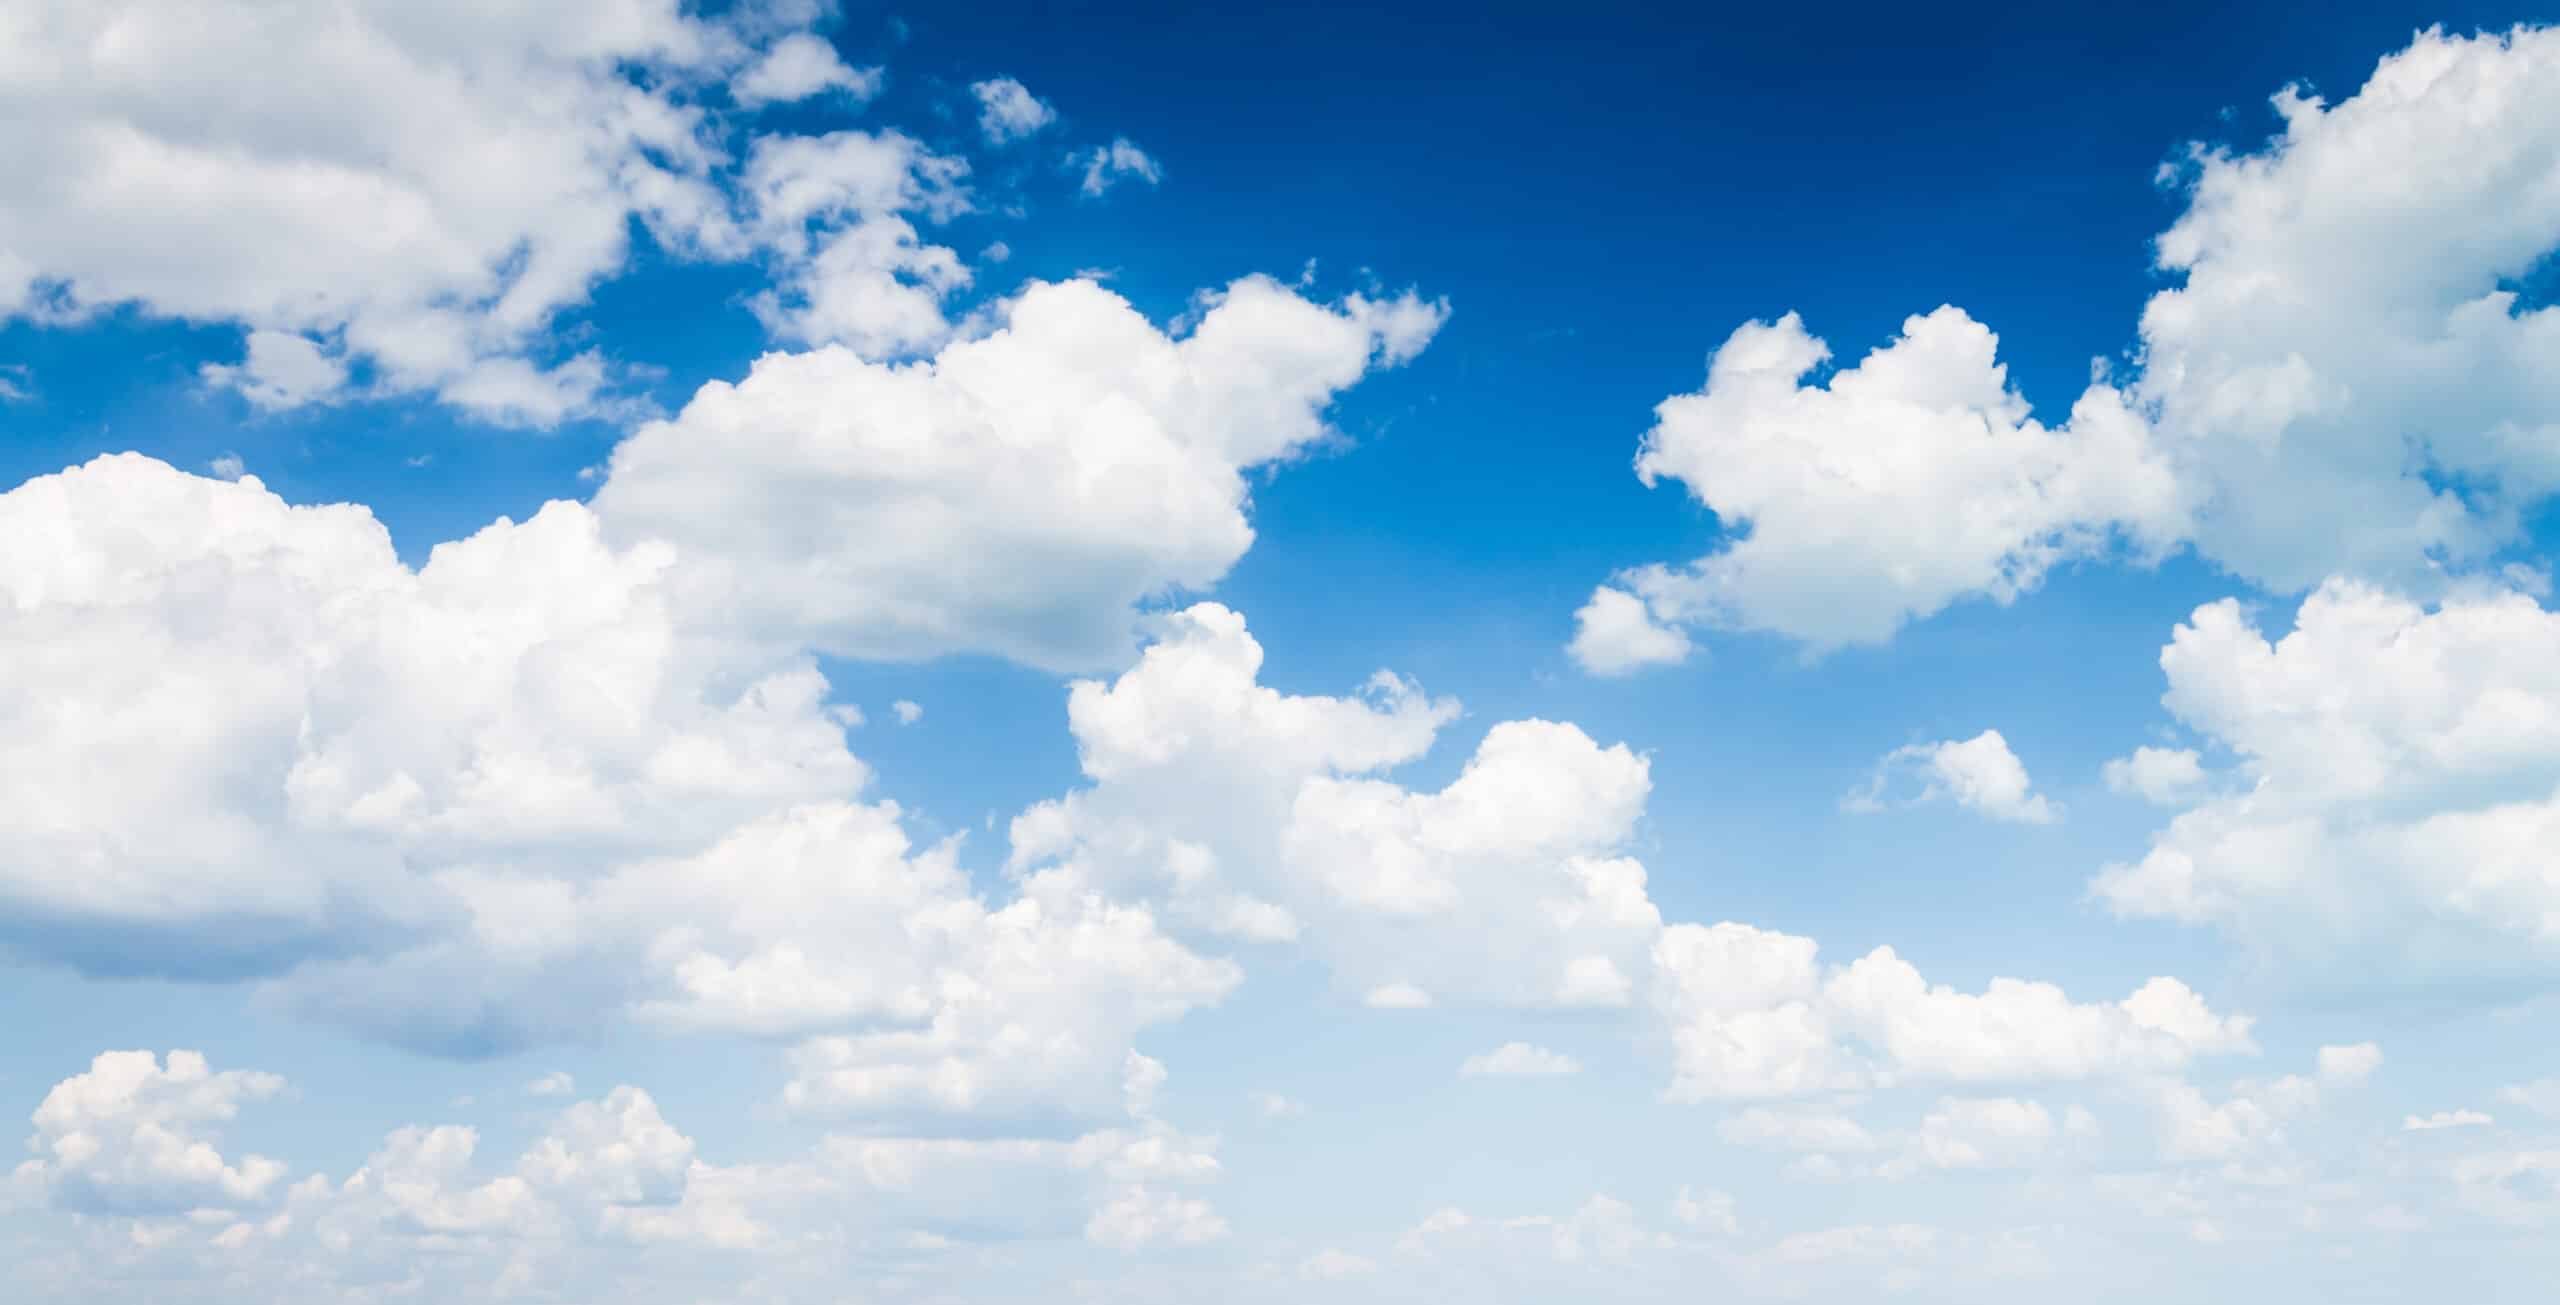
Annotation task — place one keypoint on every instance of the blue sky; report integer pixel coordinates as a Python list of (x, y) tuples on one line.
[(1160, 653)]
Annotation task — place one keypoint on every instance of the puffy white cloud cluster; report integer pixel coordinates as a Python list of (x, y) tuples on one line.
[(1017, 493), (1008, 111), (2396, 790), (495, 798), (133, 1136), (1877, 496), (1749, 1013), (1980, 774), (605, 1186), (421, 189), (1257, 814), (392, 200), (2346, 379)]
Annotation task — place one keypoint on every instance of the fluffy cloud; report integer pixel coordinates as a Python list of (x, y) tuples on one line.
[(1520, 1060), (1008, 111), (1017, 493), (1883, 493), (424, 192), (2395, 793), (1749, 1014), (1616, 633), (2345, 379), (2443, 1119), (1252, 813), (132, 1136), (2165, 777), (498, 797), (799, 66), (1979, 774)]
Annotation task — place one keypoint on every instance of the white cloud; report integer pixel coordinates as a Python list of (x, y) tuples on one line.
[(1979, 774), (424, 192), (1105, 165), (2396, 785), (557, 1083), (2344, 344), (1017, 494), (1882, 494), (1008, 111), (2165, 777), (907, 712), (799, 66), (849, 268), (1396, 996), (499, 798), (282, 370), (1750, 1015), (1616, 633), (2445, 1119), (132, 1136), (1255, 814), (1520, 1060)]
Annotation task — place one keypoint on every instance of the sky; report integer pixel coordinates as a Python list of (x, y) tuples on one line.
[(803, 652)]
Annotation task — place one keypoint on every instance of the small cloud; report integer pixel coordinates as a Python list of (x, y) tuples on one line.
[(799, 66), (2164, 777), (418, 461), (1616, 633), (908, 713), (1979, 774), (1008, 111), (1520, 1060), (2445, 1119), (1105, 165), (557, 1083), (281, 370), (845, 714), (16, 383), (996, 251), (1397, 996), (227, 466)]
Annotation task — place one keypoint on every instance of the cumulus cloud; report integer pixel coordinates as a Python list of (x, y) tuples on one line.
[(1616, 633), (500, 797), (2345, 378), (1749, 1013), (1008, 111), (1881, 493), (132, 1135), (1979, 774), (799, 66), (2395, 789), (1256, 814), (425, 194), (1520, 1060), (1018, 493), (2164, 777)]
